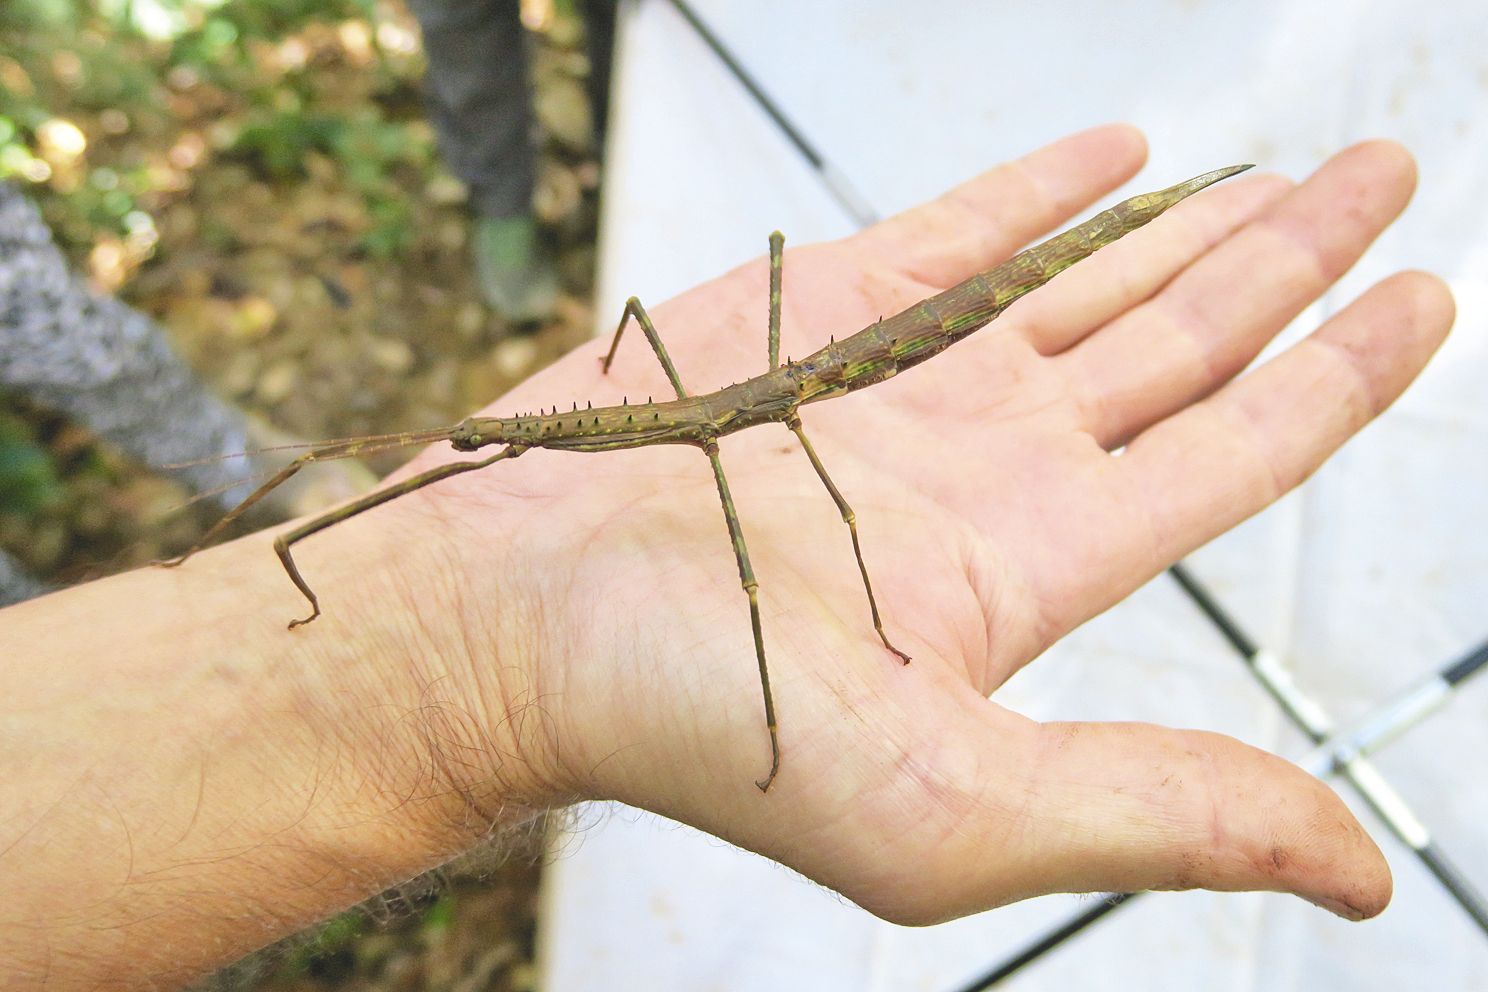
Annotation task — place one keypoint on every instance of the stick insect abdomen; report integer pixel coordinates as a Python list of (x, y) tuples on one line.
[(908, 338)]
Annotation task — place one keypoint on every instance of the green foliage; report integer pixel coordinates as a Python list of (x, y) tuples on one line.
[(124, 84), (28, 481), (391, 230), (366, 149), (218, 44), (15, 147), (75, 58), (276, 18), (36, 14), (440, 916), (332, 942), (278, 142)]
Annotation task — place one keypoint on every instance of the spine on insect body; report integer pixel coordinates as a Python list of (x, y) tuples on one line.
[(929, 327)]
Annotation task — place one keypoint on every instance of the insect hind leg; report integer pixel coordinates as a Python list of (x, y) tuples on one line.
[(283, 541), (751, 589), (850, 518)]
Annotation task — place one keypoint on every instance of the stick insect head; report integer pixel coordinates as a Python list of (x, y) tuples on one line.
[(477, 432)]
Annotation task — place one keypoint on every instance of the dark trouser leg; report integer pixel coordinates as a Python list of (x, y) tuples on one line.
[(478, 98), (599, 41)]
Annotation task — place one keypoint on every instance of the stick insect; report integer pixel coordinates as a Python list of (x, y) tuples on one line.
[(874, 354)]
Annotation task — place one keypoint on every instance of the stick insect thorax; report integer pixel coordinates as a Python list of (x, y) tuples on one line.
[(875, 353)]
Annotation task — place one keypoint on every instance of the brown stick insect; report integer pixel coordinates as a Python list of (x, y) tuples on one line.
[(873, 354)]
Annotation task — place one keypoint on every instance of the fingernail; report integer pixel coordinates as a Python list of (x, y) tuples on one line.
[(1339, 908)]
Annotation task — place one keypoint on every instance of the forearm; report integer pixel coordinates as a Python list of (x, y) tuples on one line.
[(186, 780)]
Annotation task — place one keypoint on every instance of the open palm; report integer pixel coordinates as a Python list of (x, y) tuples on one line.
[(605, 632)]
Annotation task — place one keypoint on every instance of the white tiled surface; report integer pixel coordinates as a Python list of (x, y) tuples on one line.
[(1372, 574)]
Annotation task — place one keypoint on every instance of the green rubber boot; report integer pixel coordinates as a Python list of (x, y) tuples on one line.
[(515, 272)]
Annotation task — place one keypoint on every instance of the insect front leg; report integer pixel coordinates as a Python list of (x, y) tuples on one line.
[(751, 588), (367, 502), (330, 450)]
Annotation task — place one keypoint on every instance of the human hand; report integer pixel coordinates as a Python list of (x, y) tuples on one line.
[(605, 639)]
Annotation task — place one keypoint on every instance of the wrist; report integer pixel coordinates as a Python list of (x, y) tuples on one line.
[(431, 683), (172, 745)]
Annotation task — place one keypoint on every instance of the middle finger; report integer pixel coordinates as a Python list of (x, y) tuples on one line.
[(1218, 314)]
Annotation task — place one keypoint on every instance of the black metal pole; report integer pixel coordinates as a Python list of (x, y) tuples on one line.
[(1048, 942), (842, 190)]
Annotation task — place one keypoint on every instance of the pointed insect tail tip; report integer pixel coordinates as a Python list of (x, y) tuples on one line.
[(1228, 171), (1208, 179)]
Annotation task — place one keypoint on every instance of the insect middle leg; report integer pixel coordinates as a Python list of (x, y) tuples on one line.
[(851, 519), (777, 261), (751, 587)]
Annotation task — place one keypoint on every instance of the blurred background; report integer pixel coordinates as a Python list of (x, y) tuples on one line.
[(262, 179)]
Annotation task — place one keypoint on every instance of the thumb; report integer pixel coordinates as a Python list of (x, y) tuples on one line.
[(1126, 806)]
